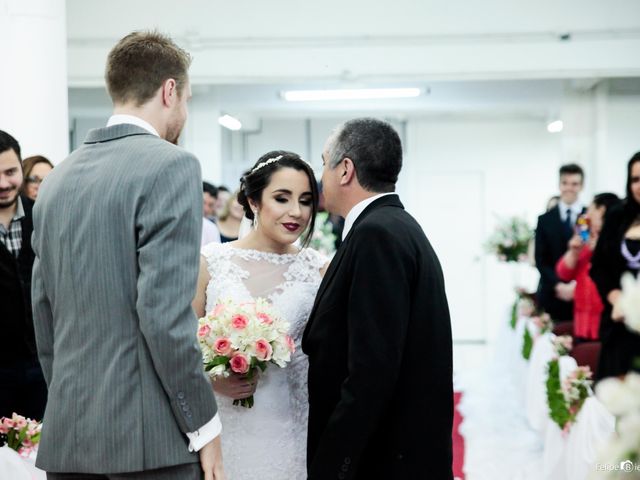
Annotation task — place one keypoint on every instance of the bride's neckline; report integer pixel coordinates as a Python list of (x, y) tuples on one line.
[(262, 252)]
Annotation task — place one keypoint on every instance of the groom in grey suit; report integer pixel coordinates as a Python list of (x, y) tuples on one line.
[(116, 235)]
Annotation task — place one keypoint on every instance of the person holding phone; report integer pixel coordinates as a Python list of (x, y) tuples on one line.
[(576, 263)]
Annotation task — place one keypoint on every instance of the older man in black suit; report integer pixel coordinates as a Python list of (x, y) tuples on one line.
[(379, 335)]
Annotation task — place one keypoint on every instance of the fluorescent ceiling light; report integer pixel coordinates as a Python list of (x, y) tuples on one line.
[(230, 122), (555, 126), (349, 94)]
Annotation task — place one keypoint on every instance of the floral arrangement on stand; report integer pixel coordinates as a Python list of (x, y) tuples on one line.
[(510, 240), (524, 306), (20, 434), (543, 324), (240, 338), (323, 239), (565, 399)]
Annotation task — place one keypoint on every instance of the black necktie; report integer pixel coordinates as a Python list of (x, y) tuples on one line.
[(567, 222)]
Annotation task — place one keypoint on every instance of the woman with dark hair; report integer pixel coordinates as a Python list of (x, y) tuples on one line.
[(618, 251), (575, 265), (35, 169), (280, 200)]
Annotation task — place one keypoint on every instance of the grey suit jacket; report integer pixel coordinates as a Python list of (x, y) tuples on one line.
[(117, 231)]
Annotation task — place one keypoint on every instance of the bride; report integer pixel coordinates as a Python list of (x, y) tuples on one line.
[(280, 195)]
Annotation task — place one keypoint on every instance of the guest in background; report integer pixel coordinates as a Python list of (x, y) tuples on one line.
[(531, 251), (22, 386), (552, 202), (210, 232), (209, 201), (230, 218), (35, 169), (554, 230), (575, 265), (223, 197), (618, 251)]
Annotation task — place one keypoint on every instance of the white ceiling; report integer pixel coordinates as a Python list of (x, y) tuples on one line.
[(508, 57)]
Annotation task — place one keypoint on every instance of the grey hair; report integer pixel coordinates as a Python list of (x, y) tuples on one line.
[(375, 149)]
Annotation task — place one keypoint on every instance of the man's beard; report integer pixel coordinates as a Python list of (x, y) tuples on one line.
[(9, 203)]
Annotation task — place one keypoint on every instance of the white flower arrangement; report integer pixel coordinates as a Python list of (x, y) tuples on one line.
[(510, 240)]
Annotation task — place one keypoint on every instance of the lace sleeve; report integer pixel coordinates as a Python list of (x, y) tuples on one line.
[(315, 259)]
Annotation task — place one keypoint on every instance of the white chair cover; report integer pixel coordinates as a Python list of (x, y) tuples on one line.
[(536, 408)]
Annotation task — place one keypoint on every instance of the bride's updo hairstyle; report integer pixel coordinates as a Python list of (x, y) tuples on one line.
[(255, 180)]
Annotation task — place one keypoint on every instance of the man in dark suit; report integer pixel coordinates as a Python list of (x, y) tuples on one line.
[(555, 229), (22, 386), (379, 334)]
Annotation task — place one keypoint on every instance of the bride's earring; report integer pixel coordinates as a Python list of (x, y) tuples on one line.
[(255, 220)]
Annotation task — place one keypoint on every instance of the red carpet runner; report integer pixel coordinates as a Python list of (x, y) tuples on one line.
[(458, 441)]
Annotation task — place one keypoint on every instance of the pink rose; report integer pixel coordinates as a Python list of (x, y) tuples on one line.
[(265, 318), (239, 322), (290, 343), (264, 351), (222, 346), (239, 363), (204, 330), (3, 429)]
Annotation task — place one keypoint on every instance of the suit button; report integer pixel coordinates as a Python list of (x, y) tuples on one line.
[(344, 468), (341, 476), (180, 395), (399, 456), (183, 402), (189, 414), (347, 460)]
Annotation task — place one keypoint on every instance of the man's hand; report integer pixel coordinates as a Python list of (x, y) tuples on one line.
[(565, 291), (236, 386), (211, 460)]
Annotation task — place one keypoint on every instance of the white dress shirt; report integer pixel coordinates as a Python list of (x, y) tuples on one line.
[(576, 210), (357, 209), (210, 232), (213, 427)]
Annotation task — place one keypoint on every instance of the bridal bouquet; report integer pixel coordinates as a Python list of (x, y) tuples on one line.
[(243, 337), (20, 434)]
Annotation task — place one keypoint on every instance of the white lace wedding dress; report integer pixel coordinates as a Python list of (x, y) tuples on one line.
[(268, 441)]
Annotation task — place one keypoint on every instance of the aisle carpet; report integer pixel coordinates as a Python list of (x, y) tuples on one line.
[(458, 441)]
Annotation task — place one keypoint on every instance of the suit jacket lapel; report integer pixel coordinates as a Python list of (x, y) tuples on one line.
[(392, 200)]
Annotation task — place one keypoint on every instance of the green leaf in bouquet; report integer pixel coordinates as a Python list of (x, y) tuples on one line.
[(220, 360)]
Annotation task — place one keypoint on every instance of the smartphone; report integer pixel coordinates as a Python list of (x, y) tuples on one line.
[(583, 227)]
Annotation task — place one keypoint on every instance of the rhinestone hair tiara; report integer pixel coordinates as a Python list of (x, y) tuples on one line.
[(265, 163)]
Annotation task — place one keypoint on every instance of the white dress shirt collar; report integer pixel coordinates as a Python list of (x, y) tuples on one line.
[(576, 209), (121, 118), (357, 209)]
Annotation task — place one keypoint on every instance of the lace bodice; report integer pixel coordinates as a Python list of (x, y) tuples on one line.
[(267, 441)]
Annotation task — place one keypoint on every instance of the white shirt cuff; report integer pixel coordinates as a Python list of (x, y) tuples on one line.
[(204, 434)]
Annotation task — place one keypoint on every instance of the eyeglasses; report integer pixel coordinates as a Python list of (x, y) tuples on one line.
[(36, 180)]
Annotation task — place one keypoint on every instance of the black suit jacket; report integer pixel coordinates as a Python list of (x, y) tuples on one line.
[(16, 321), (380, 356), (552, 237)]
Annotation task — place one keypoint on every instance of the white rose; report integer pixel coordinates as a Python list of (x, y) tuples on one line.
[(618, 399), (218, 371)]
